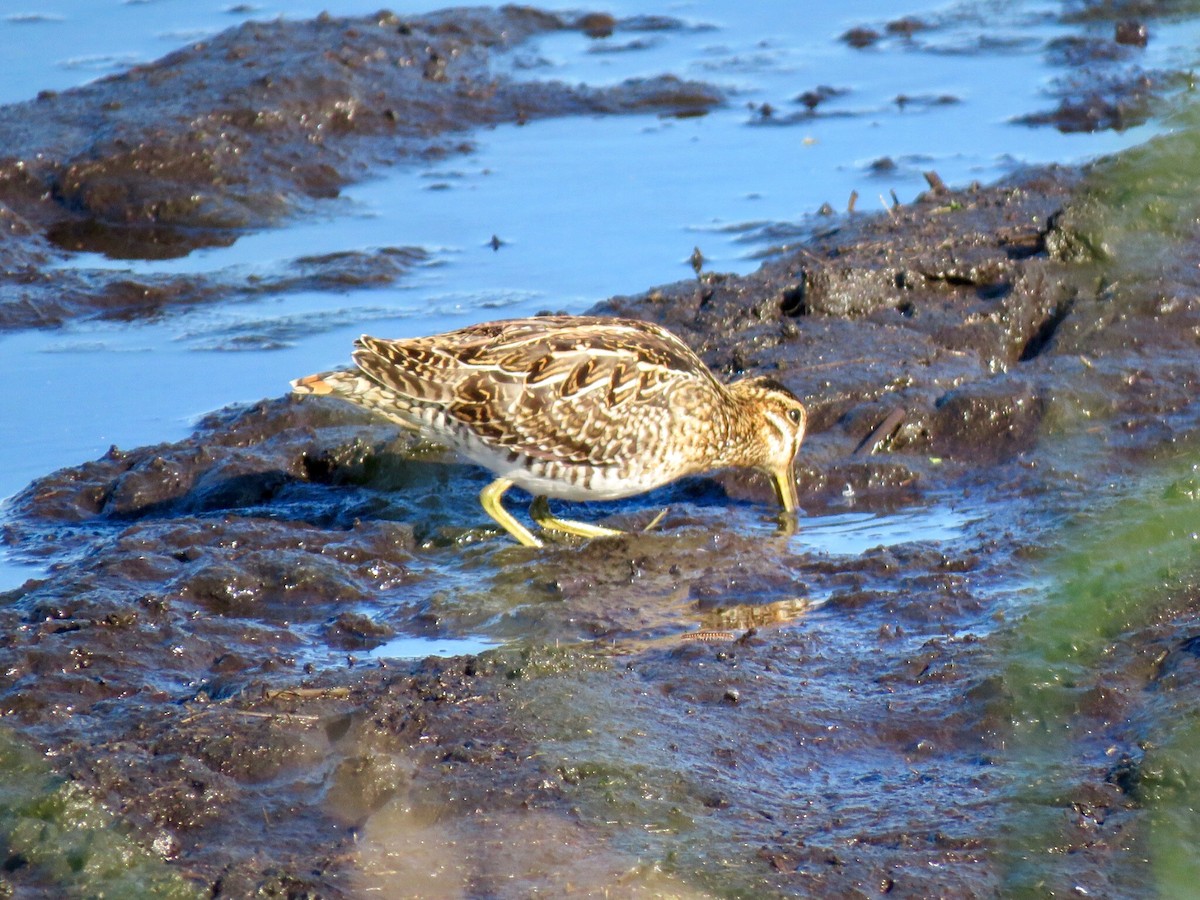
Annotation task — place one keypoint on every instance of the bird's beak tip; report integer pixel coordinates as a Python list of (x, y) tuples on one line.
[(785, 489)]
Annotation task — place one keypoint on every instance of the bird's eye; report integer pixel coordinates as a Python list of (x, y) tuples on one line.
[(794, 415)]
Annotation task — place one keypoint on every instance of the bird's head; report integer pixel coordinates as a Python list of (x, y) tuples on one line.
[(778, 421)]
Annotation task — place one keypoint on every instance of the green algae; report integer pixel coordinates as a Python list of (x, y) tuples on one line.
[(51, 826)]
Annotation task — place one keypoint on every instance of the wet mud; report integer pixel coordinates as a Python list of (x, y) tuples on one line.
[(710, 707)]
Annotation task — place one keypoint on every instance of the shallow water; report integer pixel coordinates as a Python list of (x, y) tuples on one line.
[(421, 648), (849, 534), (482, 612), (586, 207)]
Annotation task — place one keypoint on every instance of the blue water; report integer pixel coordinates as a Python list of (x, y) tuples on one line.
[(420, 648), (852, 533)]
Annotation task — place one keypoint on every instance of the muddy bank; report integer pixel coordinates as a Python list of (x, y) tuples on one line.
[(200, 657), (238, 132)]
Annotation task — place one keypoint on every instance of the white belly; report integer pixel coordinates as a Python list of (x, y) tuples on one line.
[(569, 482), (602, 486)]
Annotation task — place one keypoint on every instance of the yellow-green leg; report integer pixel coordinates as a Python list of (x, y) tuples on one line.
[(540, 510), (653, 523), (490, 498)]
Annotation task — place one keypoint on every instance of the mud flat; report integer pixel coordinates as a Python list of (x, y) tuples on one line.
[(982, 704), (244, 130)]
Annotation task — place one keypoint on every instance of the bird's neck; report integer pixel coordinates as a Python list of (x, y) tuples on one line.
[(741, 443)]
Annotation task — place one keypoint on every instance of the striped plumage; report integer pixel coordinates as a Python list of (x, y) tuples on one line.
[(575, 407)]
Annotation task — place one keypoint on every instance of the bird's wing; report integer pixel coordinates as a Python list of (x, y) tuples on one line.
[(574, 389)]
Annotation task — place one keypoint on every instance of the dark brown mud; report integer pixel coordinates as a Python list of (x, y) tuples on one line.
[(241, 131), (710, 708)]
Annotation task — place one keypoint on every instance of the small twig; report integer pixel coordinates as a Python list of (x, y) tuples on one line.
[(881, 433), (708, 636), (304, 717), (657, 518), (250, 713), (306, 693)]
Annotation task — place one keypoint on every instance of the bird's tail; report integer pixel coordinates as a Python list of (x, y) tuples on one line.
[(316, 384), (355, 387)]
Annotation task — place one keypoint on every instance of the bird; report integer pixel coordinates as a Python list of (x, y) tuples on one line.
[(575, 408)]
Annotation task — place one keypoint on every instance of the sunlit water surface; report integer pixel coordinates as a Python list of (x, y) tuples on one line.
[(834, 536)]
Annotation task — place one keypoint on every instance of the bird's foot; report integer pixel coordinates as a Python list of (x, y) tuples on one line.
[(540, 511)]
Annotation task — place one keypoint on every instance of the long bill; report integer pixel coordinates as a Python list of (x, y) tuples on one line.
[(784, 481)]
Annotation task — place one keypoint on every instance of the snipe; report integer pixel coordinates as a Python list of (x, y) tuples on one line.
[(574, 407)]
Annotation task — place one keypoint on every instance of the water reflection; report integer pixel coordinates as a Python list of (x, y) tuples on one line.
[(849, 534)]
